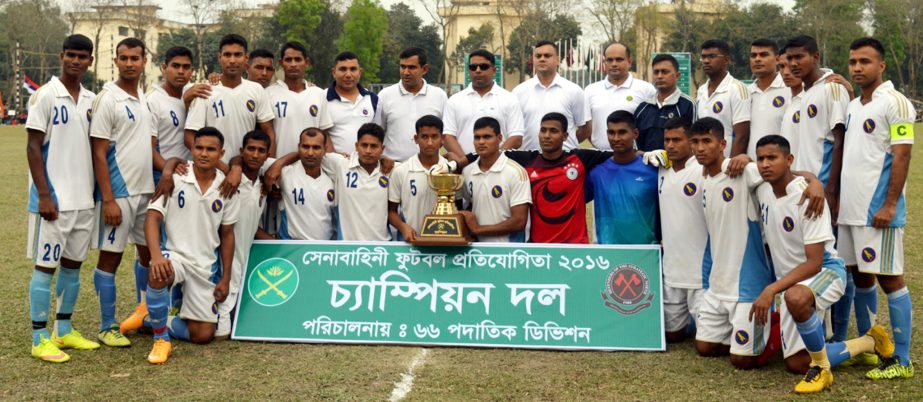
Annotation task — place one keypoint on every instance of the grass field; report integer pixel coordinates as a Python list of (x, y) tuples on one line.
[(230, 370)]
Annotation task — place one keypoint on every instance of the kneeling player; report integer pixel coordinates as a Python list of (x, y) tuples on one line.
[(810, 275), (189, 257)]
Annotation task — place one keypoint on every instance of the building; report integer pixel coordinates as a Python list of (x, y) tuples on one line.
[(463, 15)]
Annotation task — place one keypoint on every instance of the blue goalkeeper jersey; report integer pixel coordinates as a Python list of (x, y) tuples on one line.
[(625, 202)]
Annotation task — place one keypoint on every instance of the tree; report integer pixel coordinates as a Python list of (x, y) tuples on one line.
[(477, 39), (320, 40), (834, 24), (202, 13), (441, 12), (39, 29), (207, 60), (406, 29), (615, 17), (689, 31), (363, 33), (740, 27), (562, 27), (894, 22)]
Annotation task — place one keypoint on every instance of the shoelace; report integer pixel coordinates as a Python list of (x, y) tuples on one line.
[(884, 363), (812, 373)]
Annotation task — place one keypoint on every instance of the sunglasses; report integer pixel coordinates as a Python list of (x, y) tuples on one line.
[(482, 66)]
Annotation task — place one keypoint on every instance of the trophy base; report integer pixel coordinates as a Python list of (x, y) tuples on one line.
[(442, 230)]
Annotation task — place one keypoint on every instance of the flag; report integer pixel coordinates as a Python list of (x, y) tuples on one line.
[(29, 85)]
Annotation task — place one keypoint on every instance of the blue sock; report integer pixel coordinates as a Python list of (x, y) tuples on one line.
[(901, 312), (176, 296), (39, 303), (141, 273), (842, 309), (866, 301), (66, 290), (158, 301), (837, 353), (178, 328), (105, 291), (812, 333)]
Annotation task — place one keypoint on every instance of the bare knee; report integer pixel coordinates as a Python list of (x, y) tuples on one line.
[(798, 363), (709, 349), (676, 337), (201, 332), (800, 302), (744, 362)]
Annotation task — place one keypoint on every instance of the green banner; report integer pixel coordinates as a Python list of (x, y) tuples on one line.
[(521, 296)]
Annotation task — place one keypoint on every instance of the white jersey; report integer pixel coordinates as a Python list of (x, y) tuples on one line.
[(66, 147), (870, 132), (730, 104), (233, 111), (791, 122), (126, 123), (192, 219), (766, 110), (250, 204), (823, 106), (296, 111), (562, 96), (682, 222), (787, 230), (348, 116), (409, 187), (494, 193), (169, 116), (465, 107), (739, 269), (603, 98), (361, 197), (398, 112), (310, 203)]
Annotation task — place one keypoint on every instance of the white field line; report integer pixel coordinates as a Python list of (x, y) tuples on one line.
[(402, 388)]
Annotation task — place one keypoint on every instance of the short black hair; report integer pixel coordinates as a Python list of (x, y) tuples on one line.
[(558, 117), (257, 135), (662, 57), (488, 122), (132, 43), (232, 39), (371, 129), (775, 139), (546, 42), (210, 132), (627, 49), (428, 121), (77, 42), (707, 126), (870, 42), (804, 41), (295, 45), (763, 42), (621, 116), (414, 51), (719, 44), (311, 132), (261, 53), (347, 55), (176, 51), (678, 122), (485, 54)]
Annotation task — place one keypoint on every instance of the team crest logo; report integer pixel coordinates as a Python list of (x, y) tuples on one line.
[(689, 189), (727, 194), (251, 105), (788, 224), (313, 110), (812, 111), (215, 308), (778, 101), (572, 172), (670, 115), (868, 126), (365, 112), (868, 254), (89, 114), (273, 282), (330, 195), (629, 98), (383, 181), (627, 290), (796, 118), (217, 205), (741, 337), (496, 192), (717, 107)]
